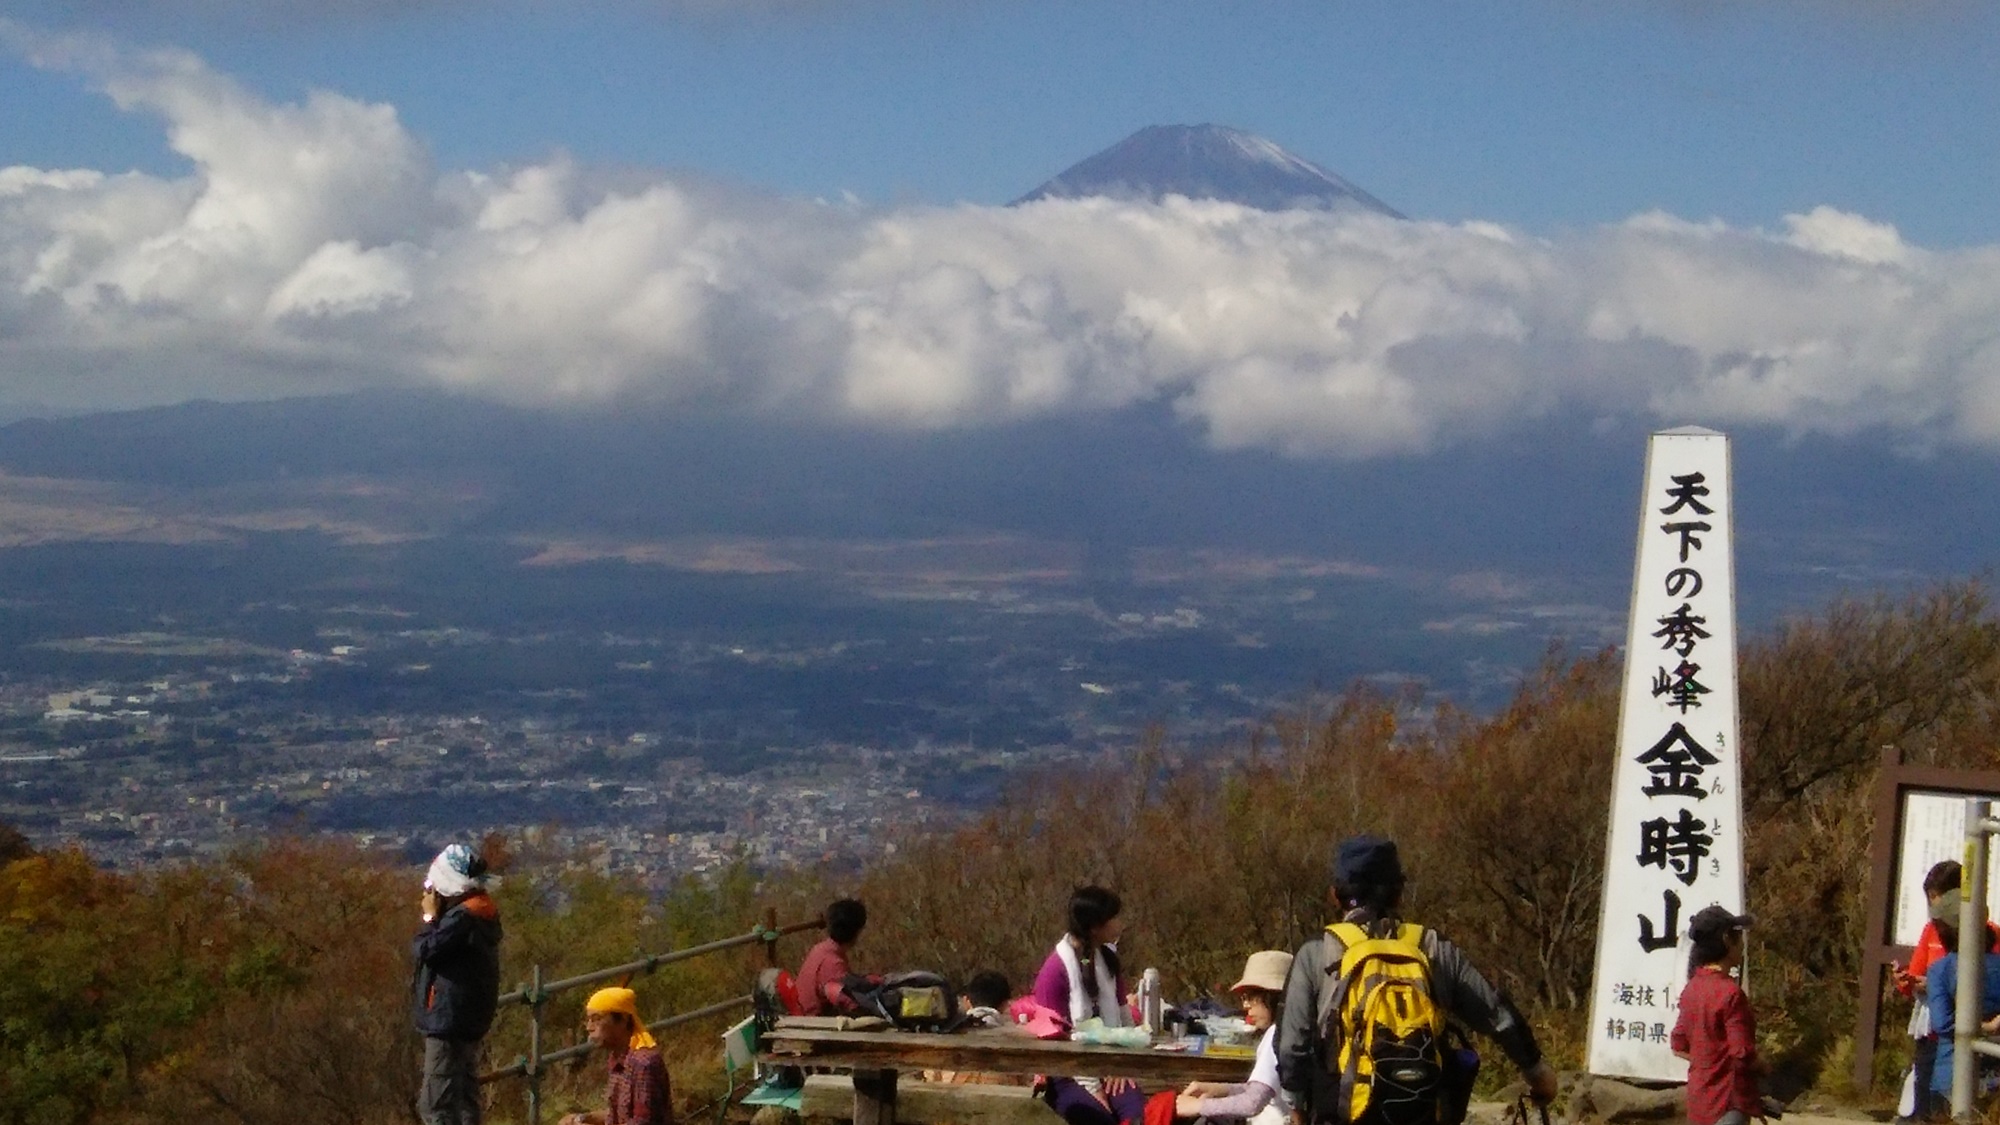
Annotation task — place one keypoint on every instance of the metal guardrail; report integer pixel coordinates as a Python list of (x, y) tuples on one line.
[(536, 994)]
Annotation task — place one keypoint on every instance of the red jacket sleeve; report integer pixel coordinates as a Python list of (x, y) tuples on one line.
[(1928, 950), (1739, 1028)]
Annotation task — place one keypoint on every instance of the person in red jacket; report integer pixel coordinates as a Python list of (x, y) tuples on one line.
[(1717, 1032), (823, 975), (1942, 878)]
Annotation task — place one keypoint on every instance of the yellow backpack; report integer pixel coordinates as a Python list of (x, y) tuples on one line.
[(1383, 1031)]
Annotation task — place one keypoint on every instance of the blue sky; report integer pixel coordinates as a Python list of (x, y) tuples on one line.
[(1771, 214), (1539, 114)]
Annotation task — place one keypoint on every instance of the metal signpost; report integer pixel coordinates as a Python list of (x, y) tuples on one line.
[(1967, 1046)]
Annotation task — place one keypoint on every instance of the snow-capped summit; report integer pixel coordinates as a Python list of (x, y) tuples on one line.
[(1208, 162)]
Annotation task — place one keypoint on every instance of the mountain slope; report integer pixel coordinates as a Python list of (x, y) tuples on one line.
[(1208, 162)]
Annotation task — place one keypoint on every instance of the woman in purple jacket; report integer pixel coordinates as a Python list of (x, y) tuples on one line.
[(1082, 978)]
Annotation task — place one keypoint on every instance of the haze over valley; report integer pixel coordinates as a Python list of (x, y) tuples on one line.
[(365, 473)]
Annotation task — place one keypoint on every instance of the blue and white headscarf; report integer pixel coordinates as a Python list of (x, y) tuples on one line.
[(456, 871)]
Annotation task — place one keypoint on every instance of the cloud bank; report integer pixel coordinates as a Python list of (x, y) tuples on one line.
[(315, 247)]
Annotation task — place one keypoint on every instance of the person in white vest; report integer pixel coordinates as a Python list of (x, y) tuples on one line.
[(1261, 1100), (1081, 977)]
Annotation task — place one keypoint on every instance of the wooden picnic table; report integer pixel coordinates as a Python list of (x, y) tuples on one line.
[(875, 1057)]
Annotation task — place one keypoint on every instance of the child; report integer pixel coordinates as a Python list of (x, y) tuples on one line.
[(985, 999), (1943, 876), (1941, 993), (1717, 1032), (983, 1004)]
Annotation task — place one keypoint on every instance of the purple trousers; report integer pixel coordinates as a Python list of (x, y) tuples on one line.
[(1079, 1106)]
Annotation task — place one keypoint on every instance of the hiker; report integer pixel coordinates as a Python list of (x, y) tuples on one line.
[(1943, 876), (1367, 891), (456, 988), (1941, 993), (983, 1004), (636, 1091), (985, 999), (1262, 1098), (825, 966), (1716, 1031), (1081, 978)]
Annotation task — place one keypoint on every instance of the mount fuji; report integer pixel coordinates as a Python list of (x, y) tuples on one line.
[(1208, 162)]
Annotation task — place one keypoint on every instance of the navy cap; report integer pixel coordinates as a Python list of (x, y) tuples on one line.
[(1715, 921), (1367, 859)]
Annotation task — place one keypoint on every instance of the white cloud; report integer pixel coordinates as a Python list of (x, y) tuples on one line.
[(341, 279), (314, 247)]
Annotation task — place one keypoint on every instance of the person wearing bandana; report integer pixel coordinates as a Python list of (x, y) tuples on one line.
[(636, 1091), (457, 984)]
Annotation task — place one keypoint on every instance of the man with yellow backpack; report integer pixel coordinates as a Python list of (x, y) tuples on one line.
[(1363, 1039)]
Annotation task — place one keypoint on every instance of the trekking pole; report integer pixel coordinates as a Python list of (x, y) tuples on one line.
[(1519, 1115)]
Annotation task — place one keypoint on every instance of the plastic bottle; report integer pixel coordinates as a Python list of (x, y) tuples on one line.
[(1150, 1003)]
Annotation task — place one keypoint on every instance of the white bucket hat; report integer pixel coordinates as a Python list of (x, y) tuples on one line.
[(1266, 969)]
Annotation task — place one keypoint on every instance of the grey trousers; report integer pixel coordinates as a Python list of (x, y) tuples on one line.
[(450, 1095)]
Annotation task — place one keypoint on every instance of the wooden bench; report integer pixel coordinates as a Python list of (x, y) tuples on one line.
[(874, 1059), (831, 1097)]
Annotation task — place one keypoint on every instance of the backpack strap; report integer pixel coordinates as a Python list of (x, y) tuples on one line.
[(1405, 939), (1334, 942)]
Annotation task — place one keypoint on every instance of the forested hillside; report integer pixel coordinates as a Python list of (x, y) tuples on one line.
[(272, 987)]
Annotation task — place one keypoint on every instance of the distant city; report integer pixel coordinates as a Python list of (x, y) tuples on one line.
[(767, 718), (707, 643), (187, 767)]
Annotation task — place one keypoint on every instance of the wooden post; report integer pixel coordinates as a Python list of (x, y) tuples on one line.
[(771, 941), (535, 1046), (1878, 946), (874, 1097)]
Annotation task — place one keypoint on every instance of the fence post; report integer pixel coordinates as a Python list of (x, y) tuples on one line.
[(536, 993), (535, 999)]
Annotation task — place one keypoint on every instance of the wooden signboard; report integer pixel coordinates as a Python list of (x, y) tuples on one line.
[(1919, 820)]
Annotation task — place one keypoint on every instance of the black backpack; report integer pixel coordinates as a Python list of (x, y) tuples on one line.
[(918, 1001)]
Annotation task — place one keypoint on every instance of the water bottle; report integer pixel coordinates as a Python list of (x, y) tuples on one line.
[(1149, 1001)]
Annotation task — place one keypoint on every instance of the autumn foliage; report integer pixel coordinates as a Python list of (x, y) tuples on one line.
[(1501, 819), (272, 986)]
